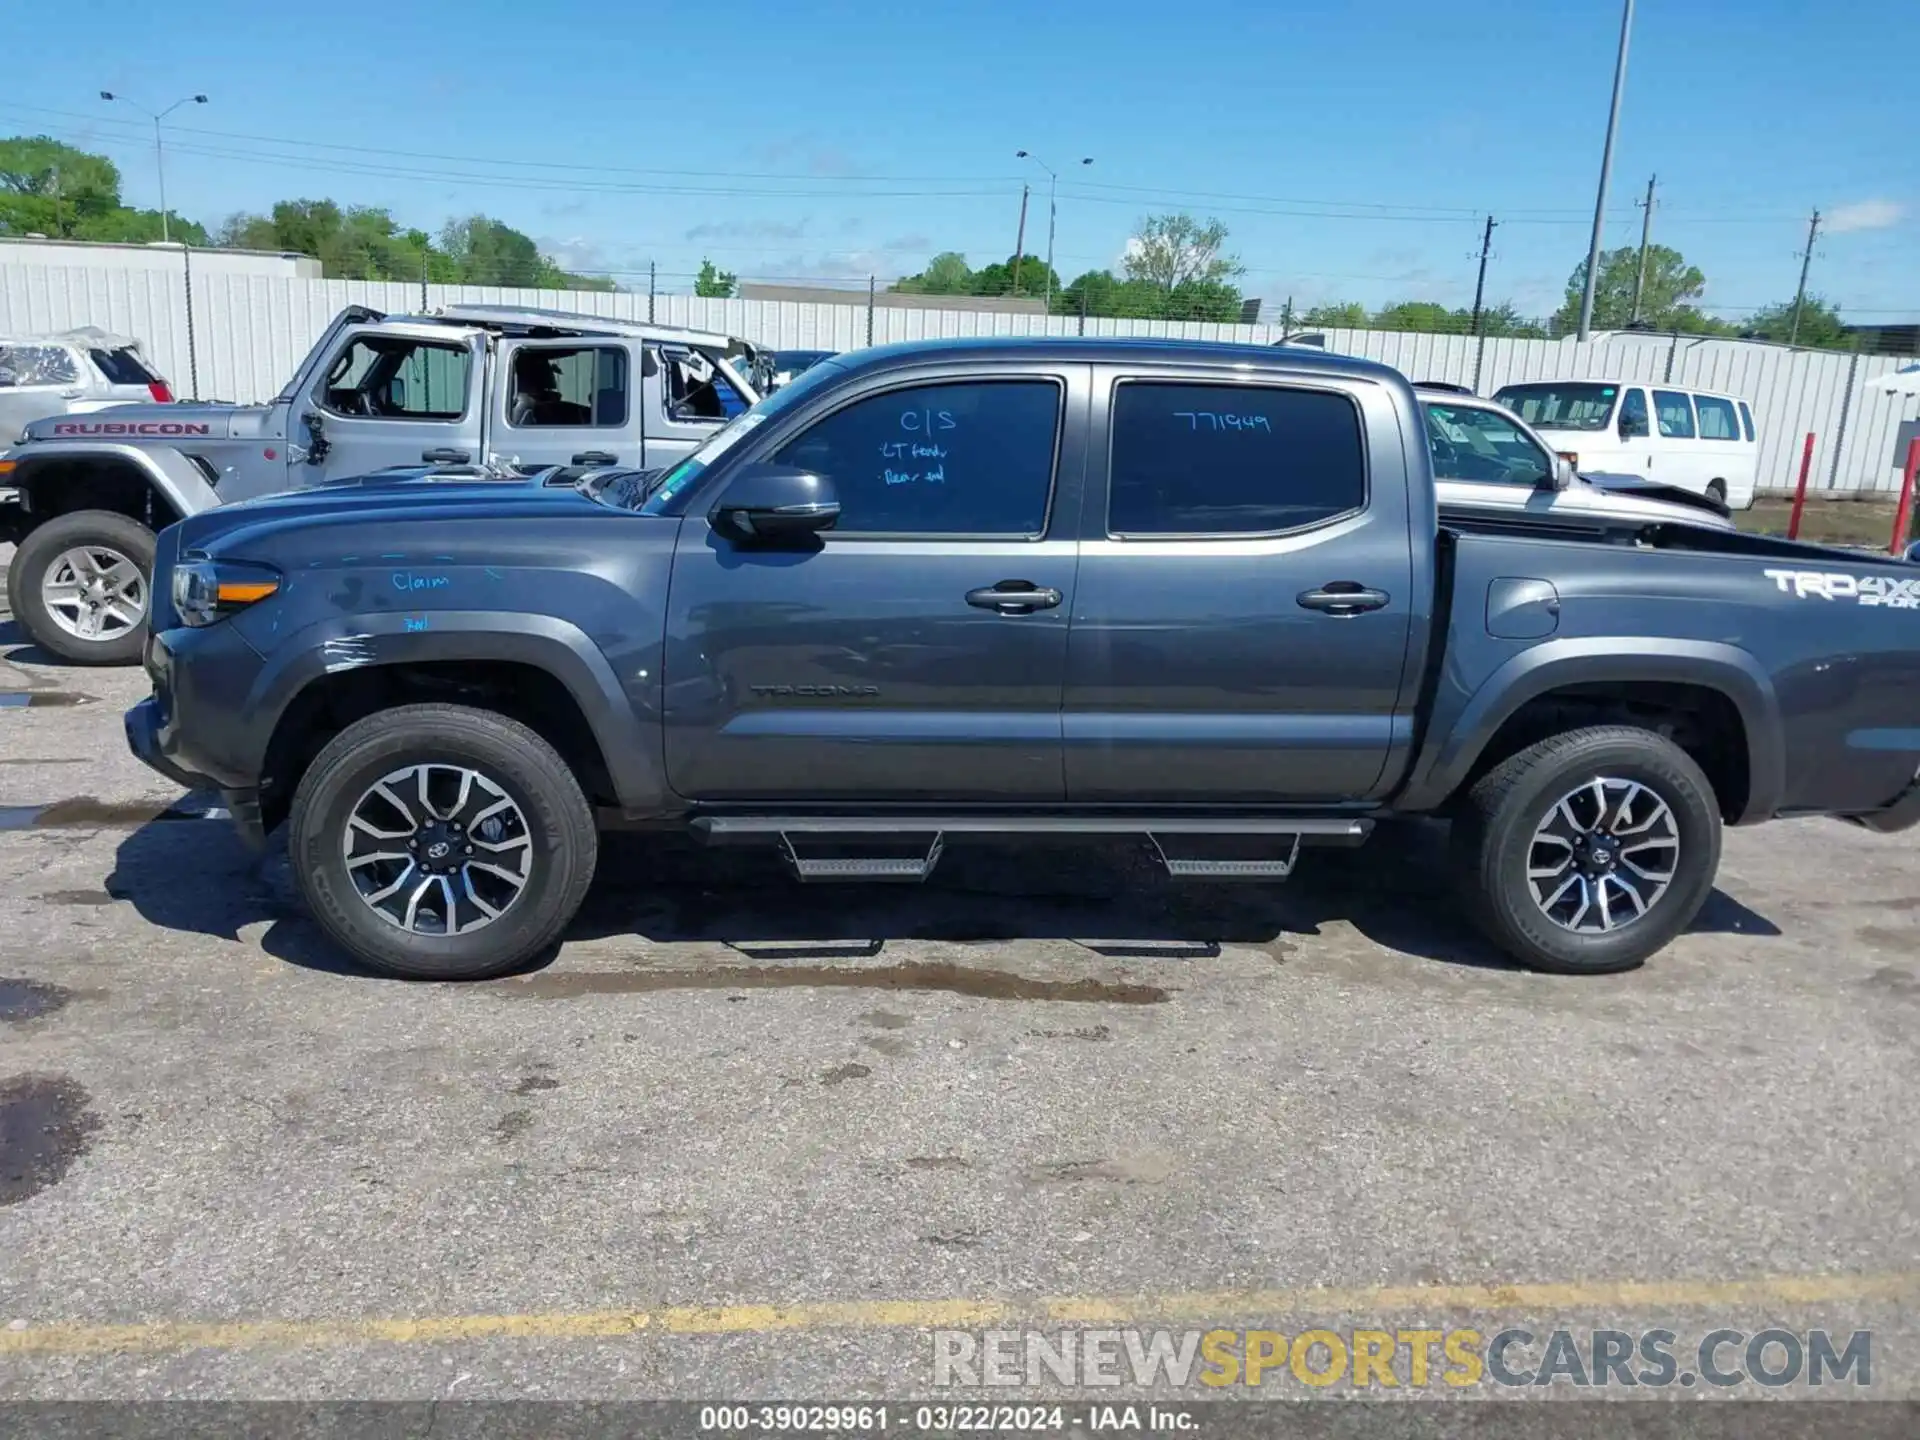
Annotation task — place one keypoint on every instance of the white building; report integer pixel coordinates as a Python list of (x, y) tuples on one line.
[(102, 255)]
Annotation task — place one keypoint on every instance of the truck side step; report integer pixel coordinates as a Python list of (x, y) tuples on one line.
[(911, 868), (1199, 860), (727, 827)]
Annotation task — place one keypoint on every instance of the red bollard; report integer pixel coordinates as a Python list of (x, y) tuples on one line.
[(1800, 495), (1903, 517)]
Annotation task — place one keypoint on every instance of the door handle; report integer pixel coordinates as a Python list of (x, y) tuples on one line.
[(1014, 597), (596, 457), (1343, 597), (445, 456)]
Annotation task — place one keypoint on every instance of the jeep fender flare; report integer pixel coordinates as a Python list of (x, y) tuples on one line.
[(1448, 758), (632, 748), (169, 473)]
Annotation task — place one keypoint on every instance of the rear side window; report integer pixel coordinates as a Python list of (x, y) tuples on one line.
[(1675, 412), (122, 367), (571, 385), (1232, 459), (1746, 420), (1718, 420), (37, 365), (960, 459)]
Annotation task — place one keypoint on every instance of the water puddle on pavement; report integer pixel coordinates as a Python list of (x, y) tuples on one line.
[(43, 699), (45, 1125), (30, 999), (83, 812), (956, 979)]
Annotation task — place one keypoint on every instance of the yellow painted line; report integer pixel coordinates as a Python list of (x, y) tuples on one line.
[(1201, 1307)]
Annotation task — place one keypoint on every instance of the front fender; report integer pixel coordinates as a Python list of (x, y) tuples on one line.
[(631, 746), (171, 474), (1455, 744)]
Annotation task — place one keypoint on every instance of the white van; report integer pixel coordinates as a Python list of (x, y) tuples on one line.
[(1672, 434)]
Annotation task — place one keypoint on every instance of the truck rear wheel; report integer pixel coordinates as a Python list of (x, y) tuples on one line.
[(1589, 851), (80, 586), (440, 842)]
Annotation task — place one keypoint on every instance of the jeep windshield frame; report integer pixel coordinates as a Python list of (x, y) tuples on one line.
[(681, 476)]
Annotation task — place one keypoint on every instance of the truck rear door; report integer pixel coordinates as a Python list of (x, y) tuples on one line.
[(566, 402), (1247, 591)]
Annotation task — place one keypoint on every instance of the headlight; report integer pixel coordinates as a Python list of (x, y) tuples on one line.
[(208, 590)]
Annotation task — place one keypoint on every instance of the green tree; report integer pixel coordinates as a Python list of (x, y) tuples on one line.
[(1503, 320), (946, 274), (47, 188), (1666, 302), (999, 279), (1103, 294), (713, 283), (1820, 325), (1172, 250), (1426, 316), (1338, 315), (1204, 300)]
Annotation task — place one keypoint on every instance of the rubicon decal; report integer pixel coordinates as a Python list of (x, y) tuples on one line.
[(121, 427), (1893, 592)]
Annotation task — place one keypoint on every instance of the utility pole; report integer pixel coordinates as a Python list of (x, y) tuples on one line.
[(1800, 295), (1646, 230), (1053, 192), (1606, 172), (1480, 285), (1020, 239), (58, 232), (1479, 296)]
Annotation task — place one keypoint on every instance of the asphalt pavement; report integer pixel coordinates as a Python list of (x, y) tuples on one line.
[(748, 1138)]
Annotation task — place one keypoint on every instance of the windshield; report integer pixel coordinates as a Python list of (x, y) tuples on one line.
[(1560, 404), (1483, 447), (683, 474)]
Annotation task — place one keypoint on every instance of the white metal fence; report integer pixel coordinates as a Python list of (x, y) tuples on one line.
[(241, 337)]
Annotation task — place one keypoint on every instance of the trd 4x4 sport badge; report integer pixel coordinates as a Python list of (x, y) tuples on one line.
[(1896, 593)]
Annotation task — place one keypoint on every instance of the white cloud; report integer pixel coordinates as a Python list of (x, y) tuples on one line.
[(1865, 215)]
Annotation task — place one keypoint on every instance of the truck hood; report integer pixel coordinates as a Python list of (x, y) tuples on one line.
[(397, 499), (136, 421)]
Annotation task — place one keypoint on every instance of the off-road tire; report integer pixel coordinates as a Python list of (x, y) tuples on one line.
[(45, 544), (564, 842), (1493, 838)]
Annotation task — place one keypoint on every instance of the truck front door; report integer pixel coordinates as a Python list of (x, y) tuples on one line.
[(880, 661), (688, 397), (391, 394), (566, 402), (1240, 630)]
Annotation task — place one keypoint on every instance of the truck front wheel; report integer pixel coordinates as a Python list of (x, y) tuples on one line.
[(440, 842), (80, 585), (1589, 851)]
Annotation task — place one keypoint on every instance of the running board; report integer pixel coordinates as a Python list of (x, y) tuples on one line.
[(721, 828)]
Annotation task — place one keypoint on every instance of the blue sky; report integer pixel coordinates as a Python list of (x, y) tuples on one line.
[(1350, 148)]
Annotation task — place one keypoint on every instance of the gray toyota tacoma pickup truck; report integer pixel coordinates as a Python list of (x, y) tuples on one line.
[(930, 593)]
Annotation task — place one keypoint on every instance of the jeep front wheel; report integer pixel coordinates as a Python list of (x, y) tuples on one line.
[(440, 842), (80, 586)]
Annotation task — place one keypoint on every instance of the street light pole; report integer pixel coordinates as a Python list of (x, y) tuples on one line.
[(159, 149), (1053, 185), (1606, 171)]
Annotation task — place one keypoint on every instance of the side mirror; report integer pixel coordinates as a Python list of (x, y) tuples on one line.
[(772, 503), (1561, 477), (1631, 429)]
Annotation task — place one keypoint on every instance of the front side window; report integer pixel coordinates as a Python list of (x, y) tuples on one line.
[(1560, 405), (1483, 447), (1718, 419), (1232, 459), (1675, 413), (1633, 415), (971, 458), (383, 377), (22, 365), (568, 385)]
